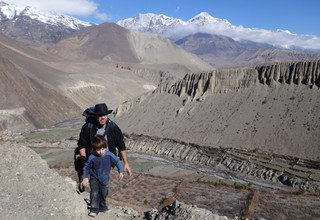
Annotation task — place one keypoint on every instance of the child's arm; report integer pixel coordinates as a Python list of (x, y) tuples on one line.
[(118, 163), (86, 169)]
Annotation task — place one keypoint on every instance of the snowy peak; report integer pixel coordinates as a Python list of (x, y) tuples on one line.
[(9, 11), (12, 12), (150, 23), (54, 18), (175, 29), (161, 20), (150, 19), (204, 18), (167, 26), (35, 27)]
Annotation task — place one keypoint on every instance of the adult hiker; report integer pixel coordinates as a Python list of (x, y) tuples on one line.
[(100, 124)]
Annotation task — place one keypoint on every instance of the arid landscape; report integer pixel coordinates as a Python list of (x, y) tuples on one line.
[(222, 190), (227, 129)]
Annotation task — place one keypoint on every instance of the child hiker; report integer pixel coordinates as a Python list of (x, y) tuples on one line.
[(97, 171)]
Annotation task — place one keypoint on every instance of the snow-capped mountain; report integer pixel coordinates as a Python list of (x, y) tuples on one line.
[(32, 26), (167, 26), (204, 18), (151, 23), (13, 12), (175, 28)]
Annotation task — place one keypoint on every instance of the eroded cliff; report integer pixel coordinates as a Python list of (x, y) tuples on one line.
[(298, 73), (273, 108), (196, 85)]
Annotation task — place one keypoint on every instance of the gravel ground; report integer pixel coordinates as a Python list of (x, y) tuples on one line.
[(29, 189)]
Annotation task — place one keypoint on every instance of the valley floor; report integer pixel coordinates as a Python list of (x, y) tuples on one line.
[(154, 179)]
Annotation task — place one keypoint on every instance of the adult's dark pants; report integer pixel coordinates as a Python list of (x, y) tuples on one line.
[(98, 196), (79, 164)]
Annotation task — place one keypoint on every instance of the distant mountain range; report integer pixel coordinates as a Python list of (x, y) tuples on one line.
[(199, 35), (170, 27), (112, 43), (175, 29), (222, 51), (202, 36), (35, 27)]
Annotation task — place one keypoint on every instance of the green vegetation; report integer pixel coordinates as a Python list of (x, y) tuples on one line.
[(55, 155), (140, 166), (65, 156), (241, 186), (53, 135), (224, 182)]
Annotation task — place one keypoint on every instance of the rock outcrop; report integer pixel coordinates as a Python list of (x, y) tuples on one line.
[(298, 73), (197, 85), (182, 212), (301, 174)]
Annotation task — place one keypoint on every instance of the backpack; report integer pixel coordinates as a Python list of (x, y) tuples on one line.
[(88, 113)]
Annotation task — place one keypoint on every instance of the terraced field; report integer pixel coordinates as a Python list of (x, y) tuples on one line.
[(156, 178)]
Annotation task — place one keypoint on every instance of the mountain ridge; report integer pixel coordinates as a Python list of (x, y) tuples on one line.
[(175, 29), (222, 51), (40, 29), (35, 27), (125, 46), (13, 12)]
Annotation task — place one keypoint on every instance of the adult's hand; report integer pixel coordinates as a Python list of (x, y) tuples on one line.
[(127, 168)]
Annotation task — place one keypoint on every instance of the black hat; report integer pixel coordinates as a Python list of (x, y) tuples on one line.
[(101, 109)]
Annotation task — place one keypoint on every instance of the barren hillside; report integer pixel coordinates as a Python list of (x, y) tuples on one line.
[(29, 101), (98, 64), (110, 42), (272, 108)]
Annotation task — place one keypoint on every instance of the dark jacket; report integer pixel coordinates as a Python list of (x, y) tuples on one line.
[(114, 136)]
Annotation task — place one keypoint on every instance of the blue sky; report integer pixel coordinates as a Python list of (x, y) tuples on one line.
[(297, 16), (253, 20)]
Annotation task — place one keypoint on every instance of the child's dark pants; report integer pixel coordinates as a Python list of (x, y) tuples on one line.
[(98, 196)]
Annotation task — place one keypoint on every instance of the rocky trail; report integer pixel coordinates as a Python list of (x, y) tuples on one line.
[(200, 190)]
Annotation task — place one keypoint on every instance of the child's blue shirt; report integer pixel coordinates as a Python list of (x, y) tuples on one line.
[(99, 167)]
